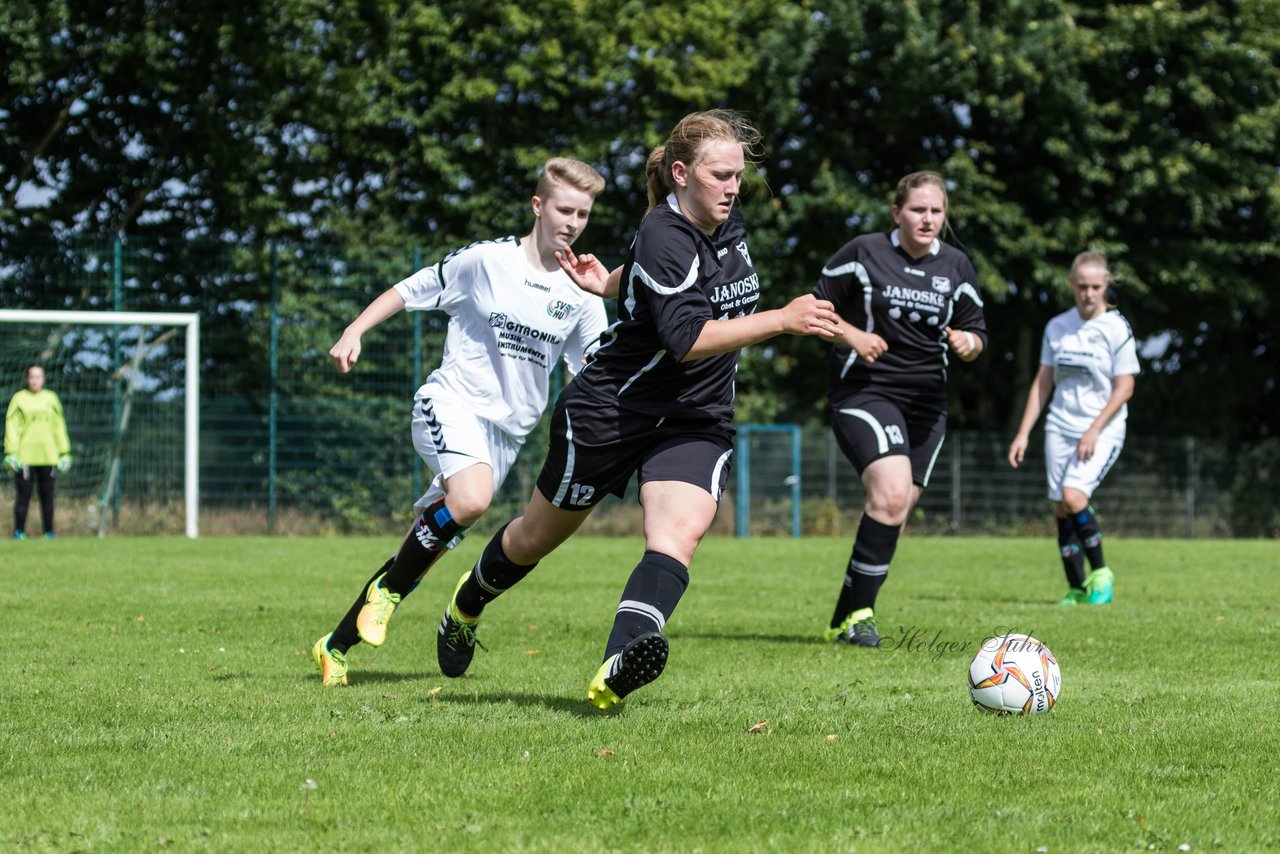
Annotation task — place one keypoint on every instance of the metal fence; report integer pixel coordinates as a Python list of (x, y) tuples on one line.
[(288, 446), (800, 482)]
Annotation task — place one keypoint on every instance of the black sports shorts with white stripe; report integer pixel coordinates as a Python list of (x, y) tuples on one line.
[(875, 422), (595, 447)]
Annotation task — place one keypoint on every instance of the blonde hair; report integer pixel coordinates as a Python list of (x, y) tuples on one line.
[(685, 145), (570, 172), (1093, 259), (1089, 259)]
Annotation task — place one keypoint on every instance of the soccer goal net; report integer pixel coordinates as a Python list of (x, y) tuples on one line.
[(129, 386)]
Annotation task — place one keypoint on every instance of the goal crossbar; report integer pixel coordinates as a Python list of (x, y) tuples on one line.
[(191, 322)]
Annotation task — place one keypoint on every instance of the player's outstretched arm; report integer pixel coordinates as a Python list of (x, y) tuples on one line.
[(806, 315), (589, 273), (868, 345), (346, 352), (1037, 397)]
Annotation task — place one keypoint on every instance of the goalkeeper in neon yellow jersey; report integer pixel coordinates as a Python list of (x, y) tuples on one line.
[(36, 448)]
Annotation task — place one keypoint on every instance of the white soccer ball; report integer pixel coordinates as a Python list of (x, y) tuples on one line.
[(1014, 675)]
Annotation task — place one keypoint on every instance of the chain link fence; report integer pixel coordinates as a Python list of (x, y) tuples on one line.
[(288, 446), (1157, 488)]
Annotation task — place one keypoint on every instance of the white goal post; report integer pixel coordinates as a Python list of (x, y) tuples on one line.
[(191, 390)]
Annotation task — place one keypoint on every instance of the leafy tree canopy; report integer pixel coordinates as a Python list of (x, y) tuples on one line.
[(1147, 131)]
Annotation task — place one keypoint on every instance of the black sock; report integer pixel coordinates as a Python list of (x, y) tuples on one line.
[(433, 533), (648, 600), (1072, 557), (346, 635), (1090, 536), (873, 550), (493, 574)]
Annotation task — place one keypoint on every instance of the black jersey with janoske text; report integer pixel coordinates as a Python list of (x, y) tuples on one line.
[(876, 286), (674, 280)]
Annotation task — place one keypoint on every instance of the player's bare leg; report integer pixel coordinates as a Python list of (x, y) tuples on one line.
[(438, 528), (511, 555)]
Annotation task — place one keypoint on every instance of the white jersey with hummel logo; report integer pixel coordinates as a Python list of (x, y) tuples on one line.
[(1086, 355), (508, 324)]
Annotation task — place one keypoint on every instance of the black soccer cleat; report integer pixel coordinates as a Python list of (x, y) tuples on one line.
[(456, 641), (639, 663), (858, 629)]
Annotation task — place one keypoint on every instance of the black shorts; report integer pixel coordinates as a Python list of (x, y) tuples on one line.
[(871, 424), (594, 448)]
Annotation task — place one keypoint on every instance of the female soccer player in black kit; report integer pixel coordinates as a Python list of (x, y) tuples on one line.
[(906, 300), (656, 400)]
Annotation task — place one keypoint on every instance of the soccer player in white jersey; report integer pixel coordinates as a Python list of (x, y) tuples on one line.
[(906, 300), (1088, 361), (656, 402), (513, 313)]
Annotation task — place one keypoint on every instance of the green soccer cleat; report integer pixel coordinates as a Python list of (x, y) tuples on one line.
[(1099, 585), (333, 665), (379, 604), (639, 663), (858, 629), (456, 640), (1075, 596), (19, 535)]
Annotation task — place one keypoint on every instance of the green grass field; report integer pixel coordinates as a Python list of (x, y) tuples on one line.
[(160, 693)]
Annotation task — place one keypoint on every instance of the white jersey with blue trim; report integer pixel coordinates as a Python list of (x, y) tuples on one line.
[(508, 324), (1086, 356)]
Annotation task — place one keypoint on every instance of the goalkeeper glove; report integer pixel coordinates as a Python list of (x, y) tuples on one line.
[(64, 462), (11, 462)]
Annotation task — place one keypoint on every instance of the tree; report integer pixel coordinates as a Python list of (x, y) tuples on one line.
[(1145, 131)]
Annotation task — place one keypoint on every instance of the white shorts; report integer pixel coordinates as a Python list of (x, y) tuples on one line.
[(450, 438), (1064, 470)]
